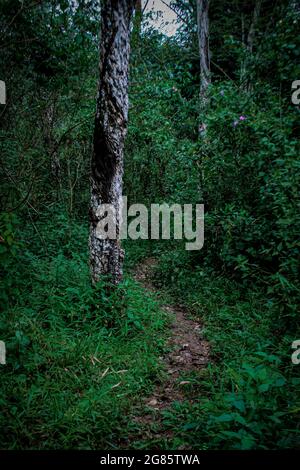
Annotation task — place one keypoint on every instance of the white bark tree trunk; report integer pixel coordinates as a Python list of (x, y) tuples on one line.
[(249, 46), (203, 37), (106, 255)]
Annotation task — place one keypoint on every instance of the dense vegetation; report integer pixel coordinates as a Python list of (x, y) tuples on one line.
[(81, 358)]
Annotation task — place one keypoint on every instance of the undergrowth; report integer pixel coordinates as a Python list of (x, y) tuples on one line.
[(78, 358), (247, 397)]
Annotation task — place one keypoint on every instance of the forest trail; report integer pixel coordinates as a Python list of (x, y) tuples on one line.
[(187, 353)]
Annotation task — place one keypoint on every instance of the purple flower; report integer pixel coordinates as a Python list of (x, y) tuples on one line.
[(243, 118)]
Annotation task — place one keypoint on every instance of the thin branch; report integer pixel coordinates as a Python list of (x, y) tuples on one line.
[(176, 12), (24, 200), (67, 132), (223, 71), (18, 42), (145, 6)]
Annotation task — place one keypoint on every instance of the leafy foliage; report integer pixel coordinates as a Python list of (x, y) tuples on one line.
[(77, 357), (80, 358)]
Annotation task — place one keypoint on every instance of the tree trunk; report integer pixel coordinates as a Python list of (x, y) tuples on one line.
[(106, 255), (203, 37), (251, 34), (249, 46), (138, 17)]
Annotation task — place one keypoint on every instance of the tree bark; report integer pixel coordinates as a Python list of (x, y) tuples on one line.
[(251, 34), (203, 37), (138, 17), (249, 45), (106, 255)]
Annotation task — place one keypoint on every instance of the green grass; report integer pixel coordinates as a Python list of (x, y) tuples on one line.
[(248, 396), (78, 360)]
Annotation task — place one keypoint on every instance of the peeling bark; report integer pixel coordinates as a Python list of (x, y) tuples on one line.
[(106, 255)]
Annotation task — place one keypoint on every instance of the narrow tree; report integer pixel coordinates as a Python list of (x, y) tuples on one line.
[(138, 16), (203, 38), (106, 255), (245, 81)]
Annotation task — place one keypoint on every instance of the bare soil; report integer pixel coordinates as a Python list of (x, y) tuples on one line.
[(187, 353)]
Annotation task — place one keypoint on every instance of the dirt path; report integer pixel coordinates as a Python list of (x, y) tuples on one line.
[(188, 353)]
